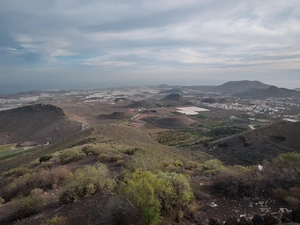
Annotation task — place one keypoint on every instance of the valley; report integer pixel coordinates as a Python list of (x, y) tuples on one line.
[(150, 155)]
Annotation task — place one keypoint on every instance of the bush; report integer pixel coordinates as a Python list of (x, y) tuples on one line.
[(45, 158), (130, 151), (120, 162), (212, 167), (155, 195), (22, 207), (239, 181), (292, 196), (90, 149), (45, 179), (86, 182), (175, 163), (17, 172), (71, 155), (290, 158), (115, 158), (56, 220), (102, 157), (191, 165)]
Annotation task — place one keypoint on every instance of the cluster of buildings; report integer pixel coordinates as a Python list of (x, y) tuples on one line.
[(268, 106)]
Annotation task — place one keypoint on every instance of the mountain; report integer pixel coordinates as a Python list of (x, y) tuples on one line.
[(272, 91), (38, 123), (233, 87)]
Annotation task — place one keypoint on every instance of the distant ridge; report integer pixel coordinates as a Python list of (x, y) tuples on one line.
[(39, 123), (171, 91), (272, 91), (233, 87)]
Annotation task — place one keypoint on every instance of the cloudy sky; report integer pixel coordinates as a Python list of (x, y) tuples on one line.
[(97, 43)]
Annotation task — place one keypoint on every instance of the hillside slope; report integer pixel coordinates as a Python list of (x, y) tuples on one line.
[(232, 87), (255, 146), (272, 91), (39, 123)]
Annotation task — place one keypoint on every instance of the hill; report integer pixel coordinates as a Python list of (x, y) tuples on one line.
[(140, 104), (272, 91), (172, 97), (254, 147), (233, 87), (171, 91), (180, 122), (39, 123), (116, 115)]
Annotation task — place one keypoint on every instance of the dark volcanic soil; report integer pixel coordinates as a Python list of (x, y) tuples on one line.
[(255, 146), (180, 122), (40, 123)]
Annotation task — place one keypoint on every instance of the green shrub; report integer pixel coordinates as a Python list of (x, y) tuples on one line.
[(191, 165), (45, 158), (45, 179), (86, 182), (90, 149), (22, 207), (17, 172), (115, 158), (56, 220), (102, 157), (175, 163), (130, 151), (212, 167), (157, 194), (290, 158), (47, 165), (71, 155), (120, 162)]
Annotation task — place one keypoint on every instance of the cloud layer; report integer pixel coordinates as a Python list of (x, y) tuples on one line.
[(192, 39)]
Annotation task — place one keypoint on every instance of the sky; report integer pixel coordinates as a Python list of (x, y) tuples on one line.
[(47, 44)]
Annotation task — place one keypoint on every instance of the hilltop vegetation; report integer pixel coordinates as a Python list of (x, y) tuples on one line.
[(144, 181)]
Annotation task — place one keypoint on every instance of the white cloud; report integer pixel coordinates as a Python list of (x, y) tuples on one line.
[(192, 35)]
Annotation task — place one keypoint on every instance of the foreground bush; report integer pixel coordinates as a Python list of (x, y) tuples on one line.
[(86, 182), (71, 155), (56, 220), (291, 196), (155, 195), (277, 176), (45, 158), (45, 179), (239, 181), (16, 172), (22, 207), (212, 167)]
